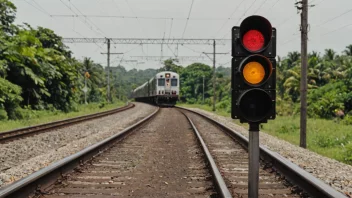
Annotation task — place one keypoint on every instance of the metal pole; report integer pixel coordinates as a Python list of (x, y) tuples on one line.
[(304, 63), (108, 92), (203, 90), (253, 169), (85, 92), (214, 78)]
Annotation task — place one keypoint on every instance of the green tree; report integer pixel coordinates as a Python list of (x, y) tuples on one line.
[(191, 79), (7, 16), (348, 50)]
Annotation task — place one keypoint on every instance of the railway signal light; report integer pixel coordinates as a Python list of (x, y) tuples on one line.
[(253, 70)]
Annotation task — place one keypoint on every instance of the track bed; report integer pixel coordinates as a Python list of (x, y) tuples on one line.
[(161, 159)]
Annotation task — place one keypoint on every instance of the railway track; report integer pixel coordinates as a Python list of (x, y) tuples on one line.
[(150, 162), (32, 130), (162, 158), (278, 177)]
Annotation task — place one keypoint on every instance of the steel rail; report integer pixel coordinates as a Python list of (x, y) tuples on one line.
[(26, 131), (293, 173), (37, 182), (219, 181)]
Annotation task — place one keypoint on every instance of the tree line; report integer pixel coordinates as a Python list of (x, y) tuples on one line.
[(37, 71)]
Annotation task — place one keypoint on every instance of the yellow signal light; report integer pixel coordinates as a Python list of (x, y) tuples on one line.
[(253, 73)]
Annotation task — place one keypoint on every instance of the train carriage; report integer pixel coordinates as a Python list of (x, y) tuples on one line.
[(163, 89)]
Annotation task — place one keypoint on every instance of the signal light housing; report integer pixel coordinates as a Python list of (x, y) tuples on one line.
[(253, 70)]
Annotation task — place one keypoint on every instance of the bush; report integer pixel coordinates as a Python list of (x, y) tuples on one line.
[(102, 104), (191, 101), (347, 120), (324, 142), (20, 113), (331, 141), (10, 96), (287, 129), (3, 114)]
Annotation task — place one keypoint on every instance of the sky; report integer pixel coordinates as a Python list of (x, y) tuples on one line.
[(329, 26)]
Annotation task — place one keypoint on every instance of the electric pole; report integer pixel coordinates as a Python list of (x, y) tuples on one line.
[(108, 91), (108, 53), (214, 73), (214, 78), (203, 90), (304, 65)]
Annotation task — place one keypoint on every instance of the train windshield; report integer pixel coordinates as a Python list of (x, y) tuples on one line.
[(174, 82), (161, 82)]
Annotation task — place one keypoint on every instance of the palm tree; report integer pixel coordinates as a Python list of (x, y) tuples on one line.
[(92, 73), (330, 54), (292, 59), (348, 50)]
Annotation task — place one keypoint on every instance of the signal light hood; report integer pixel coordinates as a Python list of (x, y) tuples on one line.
[(257, 33)]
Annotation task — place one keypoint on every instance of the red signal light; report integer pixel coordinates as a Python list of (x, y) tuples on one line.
[(253, 40), (255, 33)]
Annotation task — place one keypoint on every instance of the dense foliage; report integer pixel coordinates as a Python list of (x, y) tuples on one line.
[(38, 72), (329, 83)]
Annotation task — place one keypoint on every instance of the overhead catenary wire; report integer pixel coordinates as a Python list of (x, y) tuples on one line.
[(116, 5), (223, 25), (42, 10), (340, 28), (189, 14), (329, 20), (336, 17), (139, 17), (277, 1), (30, 3), (140, 24), (244, 14), (171, 23), (260, 6), (84, 22), (40, 7), (102, 33)]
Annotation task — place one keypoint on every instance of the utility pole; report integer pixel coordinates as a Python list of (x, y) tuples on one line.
[(85, 91), (214, 77), (214, 73), (108, 92), (304, 65), (203, 90), (108, 53)]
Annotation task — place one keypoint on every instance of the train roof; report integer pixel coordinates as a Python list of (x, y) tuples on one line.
[(162, 74), (140, 86)]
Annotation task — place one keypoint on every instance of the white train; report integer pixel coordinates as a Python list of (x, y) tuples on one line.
[(163, 89)]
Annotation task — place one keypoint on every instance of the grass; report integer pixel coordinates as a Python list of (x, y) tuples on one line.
[(41, 117), (326, 137)]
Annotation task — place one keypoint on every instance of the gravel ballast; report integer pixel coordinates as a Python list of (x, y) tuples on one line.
[(22, 157), (336, 174)]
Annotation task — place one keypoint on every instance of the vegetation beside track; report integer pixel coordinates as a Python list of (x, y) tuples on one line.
[(33, 117), (326, 137)]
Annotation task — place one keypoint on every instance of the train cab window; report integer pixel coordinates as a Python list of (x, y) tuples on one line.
[(174, 82), (161, 82)]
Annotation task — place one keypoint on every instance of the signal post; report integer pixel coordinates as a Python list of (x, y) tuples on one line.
[(253, 83)]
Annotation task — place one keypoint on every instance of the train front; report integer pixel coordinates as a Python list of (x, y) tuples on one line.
[(168, 88)]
